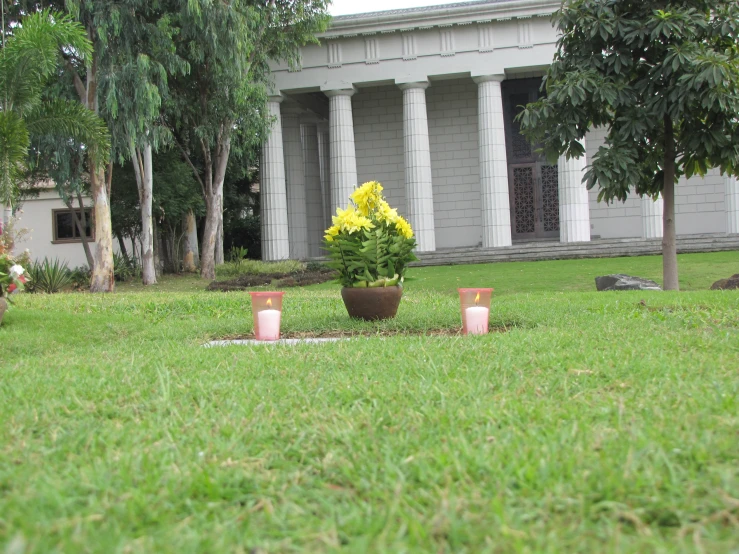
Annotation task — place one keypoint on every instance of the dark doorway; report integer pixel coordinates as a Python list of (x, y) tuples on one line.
[(532, 182)]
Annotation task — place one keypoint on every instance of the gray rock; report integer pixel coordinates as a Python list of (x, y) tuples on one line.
[(732, 283), (624, 282)]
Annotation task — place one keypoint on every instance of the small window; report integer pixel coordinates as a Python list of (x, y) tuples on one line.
[(65, 229)]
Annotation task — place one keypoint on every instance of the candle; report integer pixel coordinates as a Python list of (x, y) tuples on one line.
[(477, 320), (269, 324)]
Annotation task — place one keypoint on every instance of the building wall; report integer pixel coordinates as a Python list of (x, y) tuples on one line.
[(699, 204), (378, 139), (36, 216), (455, 162), (453, 138), (452, 119)]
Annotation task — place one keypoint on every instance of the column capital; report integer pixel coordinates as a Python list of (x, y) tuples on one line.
[(489, 78), (414, 85), (340, 92), (278, 98)]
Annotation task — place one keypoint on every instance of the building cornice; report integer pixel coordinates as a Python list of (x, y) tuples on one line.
[(464, 13)]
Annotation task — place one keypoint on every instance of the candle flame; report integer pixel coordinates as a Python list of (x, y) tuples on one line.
[(477, 298), (269, 302)]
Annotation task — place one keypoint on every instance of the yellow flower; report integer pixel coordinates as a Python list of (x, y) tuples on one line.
[(331, 232), (350, 221), (386, 213), (367, 197), (403, 227)]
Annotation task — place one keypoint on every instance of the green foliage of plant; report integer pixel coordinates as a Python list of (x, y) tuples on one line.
[(124, 268), (661, 78), (49, 276), (80, 277), (252, 267), (369, 243), (237, 255), (30, 58)]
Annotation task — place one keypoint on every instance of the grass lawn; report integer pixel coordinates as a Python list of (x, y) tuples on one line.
[(600, 422)]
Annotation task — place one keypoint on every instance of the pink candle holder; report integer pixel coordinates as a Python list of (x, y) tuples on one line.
[(475, 304), (266, 307)]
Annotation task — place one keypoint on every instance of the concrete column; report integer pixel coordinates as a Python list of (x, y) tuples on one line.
[(496, 210), (275, 242), (732, 205), (324, 164), (295, 182), (574, 203), (651, 217), (418, 187), (313, 197), (343, 161)]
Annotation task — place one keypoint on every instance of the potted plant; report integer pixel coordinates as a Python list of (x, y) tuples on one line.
[(12, 278), (370, 246)]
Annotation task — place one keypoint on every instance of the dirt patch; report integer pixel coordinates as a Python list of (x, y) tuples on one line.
[(335, 334), (278, 280)]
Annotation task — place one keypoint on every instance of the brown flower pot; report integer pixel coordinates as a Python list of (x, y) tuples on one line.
[(372, 303), (3, 307)]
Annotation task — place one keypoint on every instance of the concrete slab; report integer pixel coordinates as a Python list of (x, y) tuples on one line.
[(252, 342)]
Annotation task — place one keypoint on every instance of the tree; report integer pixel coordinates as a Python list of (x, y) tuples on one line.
[(30, 58), (177, 194), (663, 78), (133, 95), (113, 28), (220, 106)]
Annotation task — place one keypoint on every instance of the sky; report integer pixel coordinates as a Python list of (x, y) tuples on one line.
[(345, 7)]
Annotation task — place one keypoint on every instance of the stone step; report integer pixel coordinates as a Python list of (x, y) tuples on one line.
[(552, 250)]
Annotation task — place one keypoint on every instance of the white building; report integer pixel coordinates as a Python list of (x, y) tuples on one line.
[(51, 231), (423, 101)]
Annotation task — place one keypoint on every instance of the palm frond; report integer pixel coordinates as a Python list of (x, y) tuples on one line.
[(14, 141), (71, 119)]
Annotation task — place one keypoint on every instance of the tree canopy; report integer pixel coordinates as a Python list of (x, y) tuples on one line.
[(662, 77)]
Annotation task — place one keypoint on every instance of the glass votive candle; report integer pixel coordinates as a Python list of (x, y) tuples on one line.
[(266, 308), (475, 305)]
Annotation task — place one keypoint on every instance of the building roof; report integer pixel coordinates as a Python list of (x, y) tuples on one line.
[(408, 11), (461, 13)]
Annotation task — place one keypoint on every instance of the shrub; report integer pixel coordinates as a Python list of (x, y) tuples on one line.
[(49, 276), (257, 267)]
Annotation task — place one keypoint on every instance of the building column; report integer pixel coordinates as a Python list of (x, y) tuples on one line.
[(275, 243), (324, 165), (574, 202), (732, 205), (313, 197), (496, 210), (418, 186), (295, 182), (343, 161), (651, 217)]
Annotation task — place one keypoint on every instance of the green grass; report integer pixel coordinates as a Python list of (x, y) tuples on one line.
[(597, 423)]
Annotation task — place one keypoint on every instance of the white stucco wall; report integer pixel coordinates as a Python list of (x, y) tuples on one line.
[(36, 215)]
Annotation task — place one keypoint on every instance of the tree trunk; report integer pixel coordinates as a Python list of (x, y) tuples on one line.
[(148, 272), (102, 279), (669, 242), (214, 201), (190, 254), (219, 237), (156, 247), (83, 230), (122, 246), (81, 222), (7, 214)]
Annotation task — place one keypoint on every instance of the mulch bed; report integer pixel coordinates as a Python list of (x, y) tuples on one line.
[(338, 333), (279, 280)]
